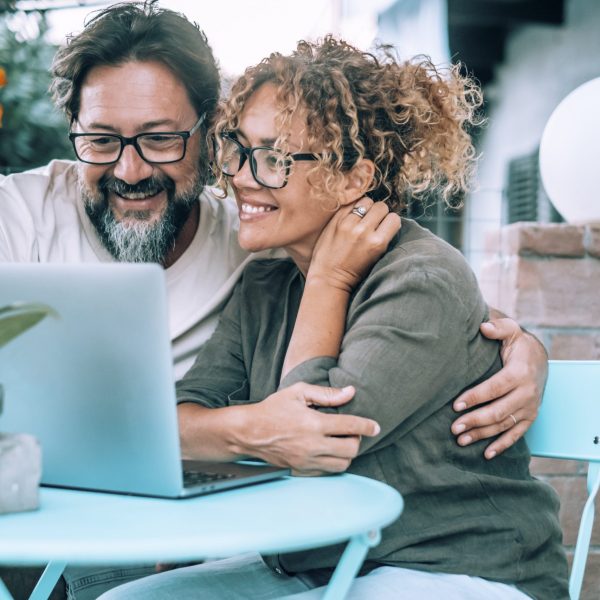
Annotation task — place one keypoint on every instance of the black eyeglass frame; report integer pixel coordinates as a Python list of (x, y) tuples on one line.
[(133, 141), (246, 154)]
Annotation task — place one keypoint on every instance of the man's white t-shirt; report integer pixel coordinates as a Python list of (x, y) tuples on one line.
[(42, 219)]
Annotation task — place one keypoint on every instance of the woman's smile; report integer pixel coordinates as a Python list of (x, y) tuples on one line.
[(250, 211)]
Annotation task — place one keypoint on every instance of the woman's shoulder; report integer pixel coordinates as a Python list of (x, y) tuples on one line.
[(418, 262), (417, 251)]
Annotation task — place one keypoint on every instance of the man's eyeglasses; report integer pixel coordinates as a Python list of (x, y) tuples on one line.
[(269, 166), (157, 147)]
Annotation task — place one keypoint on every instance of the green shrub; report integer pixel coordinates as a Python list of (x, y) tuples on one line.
[(33, 132)]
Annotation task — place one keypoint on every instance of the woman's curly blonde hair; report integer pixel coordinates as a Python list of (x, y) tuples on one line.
[(409, 118)]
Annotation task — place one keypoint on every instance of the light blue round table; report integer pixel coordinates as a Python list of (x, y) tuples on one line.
[(294, 513)]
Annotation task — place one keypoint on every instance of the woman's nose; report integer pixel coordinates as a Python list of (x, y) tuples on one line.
[(244, 177)]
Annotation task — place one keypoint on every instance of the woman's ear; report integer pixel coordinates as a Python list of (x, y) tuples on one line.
[(359, 180)]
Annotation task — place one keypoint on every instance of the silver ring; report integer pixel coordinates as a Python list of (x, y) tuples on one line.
[(359, 211), (513, 418)]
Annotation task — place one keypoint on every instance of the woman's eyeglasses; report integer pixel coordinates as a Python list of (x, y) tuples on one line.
[(269, 166)]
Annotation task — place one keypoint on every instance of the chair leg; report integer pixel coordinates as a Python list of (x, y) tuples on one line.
[(349, 564), (47, 581), (4, 593), (585, 532)]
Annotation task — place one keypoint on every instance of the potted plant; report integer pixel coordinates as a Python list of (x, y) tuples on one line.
[(20, 454)]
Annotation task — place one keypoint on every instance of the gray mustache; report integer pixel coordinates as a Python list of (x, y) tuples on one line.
[(150, 186)]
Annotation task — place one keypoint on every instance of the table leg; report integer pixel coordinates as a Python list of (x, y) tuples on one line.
[(349, 564), (47, 581), (4, 593)]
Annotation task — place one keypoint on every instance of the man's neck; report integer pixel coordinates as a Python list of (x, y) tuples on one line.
[(185, 237)]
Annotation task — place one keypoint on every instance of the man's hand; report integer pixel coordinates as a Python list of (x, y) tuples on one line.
[(287, 431), (515, 391)]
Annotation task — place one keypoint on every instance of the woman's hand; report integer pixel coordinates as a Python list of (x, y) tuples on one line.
[(515, 391), (286, 431), (351, 244)]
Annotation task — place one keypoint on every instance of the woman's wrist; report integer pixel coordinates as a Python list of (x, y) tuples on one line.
[(325, 283)]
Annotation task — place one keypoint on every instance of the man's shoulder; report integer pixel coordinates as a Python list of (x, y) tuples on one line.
[(51, 170), (59, 175), (217, 207)]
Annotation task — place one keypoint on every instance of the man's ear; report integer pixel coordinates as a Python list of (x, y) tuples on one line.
[(359, 180)]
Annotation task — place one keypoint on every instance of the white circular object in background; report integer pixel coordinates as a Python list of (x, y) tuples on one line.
[(570, 155)]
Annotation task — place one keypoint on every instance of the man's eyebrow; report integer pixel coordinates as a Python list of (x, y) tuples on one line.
[(166, 124)]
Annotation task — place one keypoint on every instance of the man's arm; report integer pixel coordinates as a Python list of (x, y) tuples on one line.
[(515, 391)]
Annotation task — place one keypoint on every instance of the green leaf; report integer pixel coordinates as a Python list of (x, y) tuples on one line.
[(21, 316)]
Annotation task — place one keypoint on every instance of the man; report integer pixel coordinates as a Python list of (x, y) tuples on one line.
[(139, 87)]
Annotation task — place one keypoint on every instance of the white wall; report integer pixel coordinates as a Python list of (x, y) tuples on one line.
[(542, 65)]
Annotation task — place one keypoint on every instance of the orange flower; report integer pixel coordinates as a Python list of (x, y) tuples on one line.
[(3, 80)]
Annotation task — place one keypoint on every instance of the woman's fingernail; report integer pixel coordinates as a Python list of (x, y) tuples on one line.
[(459, 428), (465, 440), (460, 406), (490, 455)]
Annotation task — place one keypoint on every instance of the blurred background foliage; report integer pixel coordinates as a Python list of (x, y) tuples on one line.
[(32, 131)]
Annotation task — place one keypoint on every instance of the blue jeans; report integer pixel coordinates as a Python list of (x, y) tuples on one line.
[(87, 583), (247, 577)]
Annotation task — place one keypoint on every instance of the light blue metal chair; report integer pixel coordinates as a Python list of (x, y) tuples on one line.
[(568, 427)]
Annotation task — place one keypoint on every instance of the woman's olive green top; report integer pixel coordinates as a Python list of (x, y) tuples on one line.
[(412, 344)]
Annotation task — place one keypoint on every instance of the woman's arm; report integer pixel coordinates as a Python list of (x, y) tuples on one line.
[(283, 429), (347, 248)]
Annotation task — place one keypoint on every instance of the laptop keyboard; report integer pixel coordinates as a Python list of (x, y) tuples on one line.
[(191, 478)]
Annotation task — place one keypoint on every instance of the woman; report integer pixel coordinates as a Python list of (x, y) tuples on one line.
[(391, 317)]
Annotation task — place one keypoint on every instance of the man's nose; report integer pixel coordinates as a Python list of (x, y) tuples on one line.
[(244, 178), (131, 167)]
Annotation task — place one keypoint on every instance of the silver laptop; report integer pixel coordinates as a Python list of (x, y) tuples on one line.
[(96, 385)]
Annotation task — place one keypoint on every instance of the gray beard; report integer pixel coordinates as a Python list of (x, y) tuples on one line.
[(138, 240)]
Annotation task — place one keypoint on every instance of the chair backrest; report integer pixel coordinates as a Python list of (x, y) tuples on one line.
[(568, 427)]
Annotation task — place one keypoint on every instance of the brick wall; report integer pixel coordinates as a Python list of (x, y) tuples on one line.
[(547, 276)]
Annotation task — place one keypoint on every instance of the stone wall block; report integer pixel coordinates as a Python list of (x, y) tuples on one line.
[(492, 241), (541, 467), (592, 239), (575, 346), (559, 292), (557, 239), (498, 283)]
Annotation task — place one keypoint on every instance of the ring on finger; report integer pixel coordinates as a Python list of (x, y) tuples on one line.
[(359, 211), (513, 418)]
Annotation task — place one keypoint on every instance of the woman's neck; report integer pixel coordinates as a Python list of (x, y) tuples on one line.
[(302, 263), (301, 257)]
